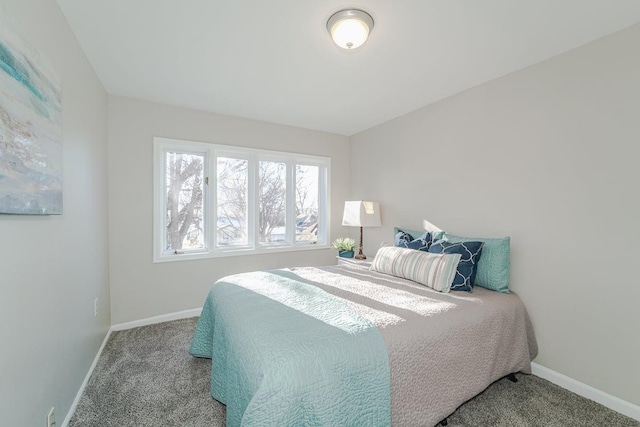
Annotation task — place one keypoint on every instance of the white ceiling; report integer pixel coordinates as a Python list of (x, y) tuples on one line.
[(274, 60)]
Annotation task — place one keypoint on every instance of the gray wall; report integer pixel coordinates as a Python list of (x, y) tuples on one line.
[(52, 267), (548, 155), (140, 288)]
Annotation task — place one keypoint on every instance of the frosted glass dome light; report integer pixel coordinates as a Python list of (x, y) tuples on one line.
[(350, 28)]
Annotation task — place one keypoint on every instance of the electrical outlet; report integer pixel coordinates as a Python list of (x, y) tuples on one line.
[(95, 307), (51, 417)]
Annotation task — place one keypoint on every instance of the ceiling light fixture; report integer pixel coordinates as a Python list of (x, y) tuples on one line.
[(350, 28)]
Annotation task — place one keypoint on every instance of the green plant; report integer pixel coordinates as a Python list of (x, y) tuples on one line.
[(344, 244)]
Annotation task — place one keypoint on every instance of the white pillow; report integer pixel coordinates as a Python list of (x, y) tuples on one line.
[(436, 271)]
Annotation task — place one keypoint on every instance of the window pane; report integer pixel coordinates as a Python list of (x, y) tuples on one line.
[(184, 191), (233, 177), (307, 178), (272, 190)]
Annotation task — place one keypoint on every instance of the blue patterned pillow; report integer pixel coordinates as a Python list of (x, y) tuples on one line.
[(435, 235), (470, 255), (401, 238), (405, 240)]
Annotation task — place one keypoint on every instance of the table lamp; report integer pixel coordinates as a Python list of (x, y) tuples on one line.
[(360, 213)]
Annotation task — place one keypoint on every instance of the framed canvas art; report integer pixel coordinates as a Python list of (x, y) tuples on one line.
[(30, 129)]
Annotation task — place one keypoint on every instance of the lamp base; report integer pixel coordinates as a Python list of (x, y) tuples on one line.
[(360, 254)]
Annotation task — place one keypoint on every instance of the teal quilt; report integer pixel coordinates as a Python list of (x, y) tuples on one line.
[(286, 353)]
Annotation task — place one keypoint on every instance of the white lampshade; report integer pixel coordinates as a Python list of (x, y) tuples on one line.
[(360, 213), (350, 28)]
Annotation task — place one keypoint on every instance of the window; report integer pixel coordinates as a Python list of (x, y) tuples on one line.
[(214, 200), (233, 197)]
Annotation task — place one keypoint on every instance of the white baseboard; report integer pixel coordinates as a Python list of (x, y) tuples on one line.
[(584, 390), (194, 312), (74, 405)]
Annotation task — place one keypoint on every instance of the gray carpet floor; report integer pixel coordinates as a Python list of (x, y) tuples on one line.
[(146, 377)]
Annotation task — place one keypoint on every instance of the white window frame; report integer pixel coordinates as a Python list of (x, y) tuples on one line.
[(211, 152)]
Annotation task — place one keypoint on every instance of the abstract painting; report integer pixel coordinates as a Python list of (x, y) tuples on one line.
[(30, 129)]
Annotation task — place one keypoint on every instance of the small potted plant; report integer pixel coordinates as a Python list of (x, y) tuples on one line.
[(345, 247)]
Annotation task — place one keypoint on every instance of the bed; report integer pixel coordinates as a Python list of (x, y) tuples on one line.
[(343, 345)]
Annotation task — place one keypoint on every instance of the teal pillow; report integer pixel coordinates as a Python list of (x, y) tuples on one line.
[(494, 264)]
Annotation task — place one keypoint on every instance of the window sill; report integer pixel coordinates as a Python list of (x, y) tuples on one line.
[(236, 252)]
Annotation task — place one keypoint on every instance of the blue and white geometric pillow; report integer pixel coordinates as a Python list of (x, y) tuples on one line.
[(405, 240), (470, 255), (401, 238)]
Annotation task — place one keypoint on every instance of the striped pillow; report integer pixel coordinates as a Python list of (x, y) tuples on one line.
[(436, 271)]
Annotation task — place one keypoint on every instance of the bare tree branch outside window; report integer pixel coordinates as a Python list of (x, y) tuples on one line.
[(307, 180), (272, 210), (232, 187), (185, 178)]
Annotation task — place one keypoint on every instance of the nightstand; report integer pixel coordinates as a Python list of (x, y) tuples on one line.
[(352, 262)]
